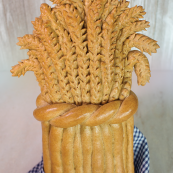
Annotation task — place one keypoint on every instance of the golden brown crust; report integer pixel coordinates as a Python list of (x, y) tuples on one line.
[(86, 139), (68, 115), (55, 149), (108, 149), (98, 151), (117, 131), (124, 124), (48, 35), (108, 51), (80, 54), (76, 116), (128, 108), (140, 63), (32, 64), (142, 42), (40, 102), (130, 160), (78, 34), (48, 112), (78, 155), (68, 50), (81, 49), (125, 33), (94, 23), (103, 114), (33, 43), (68, 150), (45, 142), (78, 4)]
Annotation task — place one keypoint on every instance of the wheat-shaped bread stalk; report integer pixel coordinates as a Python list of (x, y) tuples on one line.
[(80, 52)]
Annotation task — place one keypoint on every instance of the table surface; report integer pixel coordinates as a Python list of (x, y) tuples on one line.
[(20, 133)]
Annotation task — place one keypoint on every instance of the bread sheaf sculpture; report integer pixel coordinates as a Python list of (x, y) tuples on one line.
[(80, 52)]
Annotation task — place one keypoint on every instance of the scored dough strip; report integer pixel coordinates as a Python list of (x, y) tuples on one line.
[(98, 151), (67, 150), (55, 149), (78, 157), (124, 124), (86, 139), (45, 143), (130, 162), (118, 147), (107, 139)]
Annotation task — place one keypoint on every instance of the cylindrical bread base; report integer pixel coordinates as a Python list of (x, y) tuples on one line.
[(84, 149)]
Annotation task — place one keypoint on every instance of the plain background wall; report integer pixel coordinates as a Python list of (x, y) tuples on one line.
[(20, 133)]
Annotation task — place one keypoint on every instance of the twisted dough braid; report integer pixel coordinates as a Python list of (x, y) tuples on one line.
[(66, 115), (140, 62)]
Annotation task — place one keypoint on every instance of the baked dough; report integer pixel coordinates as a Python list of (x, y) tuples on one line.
[(88, 138), (80, 52)]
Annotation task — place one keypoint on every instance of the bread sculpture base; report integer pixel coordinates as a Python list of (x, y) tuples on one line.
[(88, 138)]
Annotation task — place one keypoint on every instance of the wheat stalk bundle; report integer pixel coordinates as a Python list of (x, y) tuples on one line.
[(80, 51)]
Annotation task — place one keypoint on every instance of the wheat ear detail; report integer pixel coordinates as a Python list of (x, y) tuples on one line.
[(109, 6), (50, 41), (22, 67), (121, 7), (108, 51), (129, 16), (78, 4), (142, 42), (32, 64), (29, 42), (94, 24), (78, 36), (46, 63), (119, 60), (131, 29), (40, 76), (140, 62), (68, 50)]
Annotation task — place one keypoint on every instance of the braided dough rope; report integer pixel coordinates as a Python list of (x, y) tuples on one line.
[(89, 138)]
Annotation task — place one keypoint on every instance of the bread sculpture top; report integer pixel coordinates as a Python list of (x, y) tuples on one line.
[(80, 51)]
